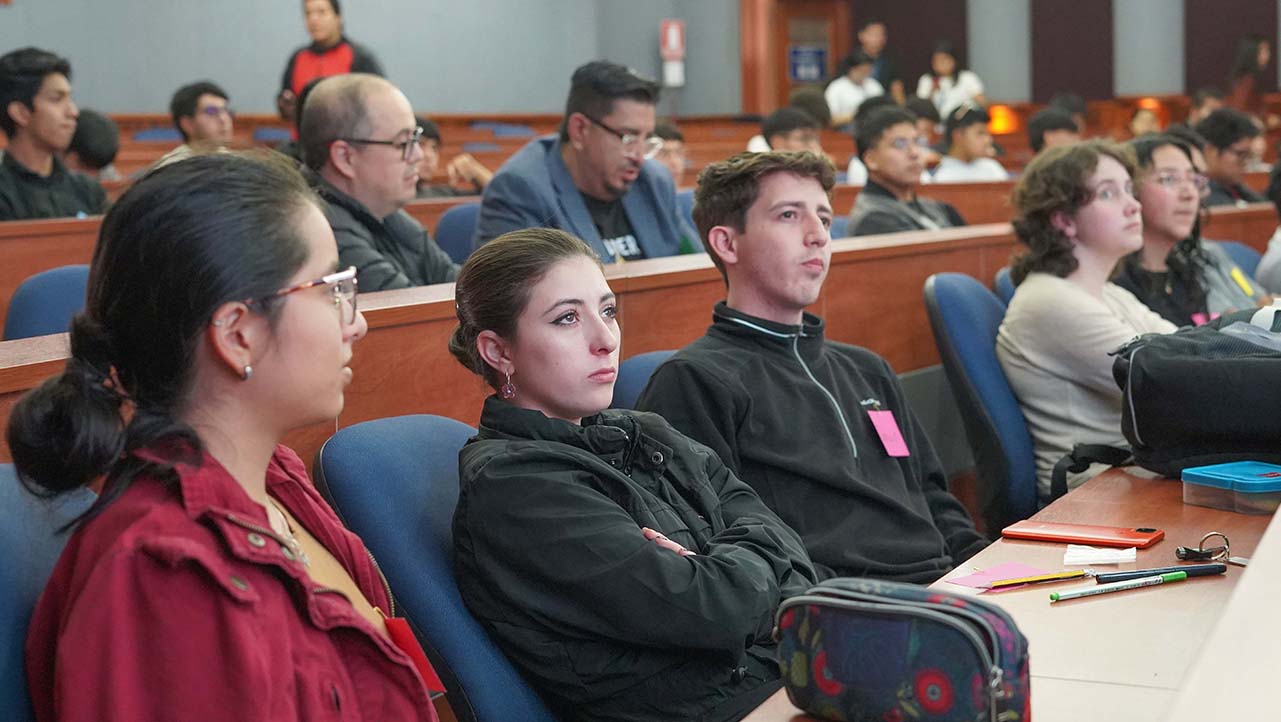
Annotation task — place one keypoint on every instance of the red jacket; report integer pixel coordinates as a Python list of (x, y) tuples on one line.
[(178, 602)]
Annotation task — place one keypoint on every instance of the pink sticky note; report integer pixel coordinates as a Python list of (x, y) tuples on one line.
[(887, 429), (1007, 570)]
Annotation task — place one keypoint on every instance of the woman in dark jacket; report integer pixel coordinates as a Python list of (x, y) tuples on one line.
[(619, 564), (209, 581)]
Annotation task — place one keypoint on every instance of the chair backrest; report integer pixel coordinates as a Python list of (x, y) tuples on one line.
[(1004, 285), (840, 226), (1242, 255), (158, 134), (685, 201), (633, 375), (394, 482), (965, 317), (507, 130), (455, 229), (271, 135), (29, 546), (45, 302)]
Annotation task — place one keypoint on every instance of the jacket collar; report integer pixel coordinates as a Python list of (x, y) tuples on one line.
[(331, 194), (807, 336), (614, 436), (206, 486), (29, 175)]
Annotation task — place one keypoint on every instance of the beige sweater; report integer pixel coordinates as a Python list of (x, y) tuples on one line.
[(1054, 345)]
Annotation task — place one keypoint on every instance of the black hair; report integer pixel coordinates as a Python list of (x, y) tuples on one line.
[(1071, 102), (785, 120), (1205, 93), (853, 60), (1189, 136), (301, 101), (335, 4), (1187, 260), (184, 240), (1045, 120), (946, 47), (97, 140), (923, 109), (965, 115), (595, 86), (1274, 186), (667, 130), (22, 72), (185, 100), (1246, 60), (869, 22), (869, 128), (431, 131), (810, 99), (1226, 126)]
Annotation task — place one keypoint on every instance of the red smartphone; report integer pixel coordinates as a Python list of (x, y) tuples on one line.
[(1104, 536)]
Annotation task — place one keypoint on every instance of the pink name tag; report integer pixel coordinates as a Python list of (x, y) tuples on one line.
[(1200, 319), (887, 429)]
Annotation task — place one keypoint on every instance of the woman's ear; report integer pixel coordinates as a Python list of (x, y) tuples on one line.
[(237, 337), (1065, 224), (495, 351)]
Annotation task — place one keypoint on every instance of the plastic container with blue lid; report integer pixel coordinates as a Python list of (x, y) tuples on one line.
[(1248, 487)]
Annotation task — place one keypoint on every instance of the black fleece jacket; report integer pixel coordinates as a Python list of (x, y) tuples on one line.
[(787, 412)]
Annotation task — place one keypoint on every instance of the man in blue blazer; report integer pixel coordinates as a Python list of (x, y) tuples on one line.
[(594, 180)]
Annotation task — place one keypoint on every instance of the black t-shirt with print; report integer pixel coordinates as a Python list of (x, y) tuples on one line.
[(615, 230)]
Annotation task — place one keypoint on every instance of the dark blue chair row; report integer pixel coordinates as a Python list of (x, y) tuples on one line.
[(44, 303)]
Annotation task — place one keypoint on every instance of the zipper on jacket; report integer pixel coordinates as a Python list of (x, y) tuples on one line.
[(796, 351), (996, 676), (391, 600)]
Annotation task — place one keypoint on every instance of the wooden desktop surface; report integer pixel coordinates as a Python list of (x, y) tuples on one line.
[(1127, 652)]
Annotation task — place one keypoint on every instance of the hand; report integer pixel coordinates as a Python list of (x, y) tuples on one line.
[(664, 542), (286, 103), (466, 170)]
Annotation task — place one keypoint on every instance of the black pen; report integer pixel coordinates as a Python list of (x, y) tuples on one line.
[(1193, 570)]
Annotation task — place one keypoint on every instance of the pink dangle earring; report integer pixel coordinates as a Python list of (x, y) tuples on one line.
[(507, 391)]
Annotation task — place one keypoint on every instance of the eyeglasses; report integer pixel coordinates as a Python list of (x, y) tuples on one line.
[(343, 287), (405, 146), (649, 147), (1170, 180), (213, 111), (902, 144)]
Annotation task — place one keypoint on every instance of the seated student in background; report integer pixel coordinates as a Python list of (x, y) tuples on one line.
[(202, 116), (1269, 271), (810, 99), (672, 154), (1076, 212), (1184, 279), (467, 176), (362, 144), (1050, 128), (188, 589), (39, 118), (592, 180), (621, 566), (1229, 135), (94, 146), (893, 152), (787, 410), (947, 85), (856, 172), (1074, 105), (1143, 122), (853, 85), (1205, 100), (788, 128), (969, 148), (330, 53)]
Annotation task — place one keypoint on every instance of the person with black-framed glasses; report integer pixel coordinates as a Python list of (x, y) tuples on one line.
[(595, 179), (363, 146)]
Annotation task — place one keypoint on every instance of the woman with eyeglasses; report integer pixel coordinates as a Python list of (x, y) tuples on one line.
[(209, 580), (619, 564), (1077, 214), (1185, 279)]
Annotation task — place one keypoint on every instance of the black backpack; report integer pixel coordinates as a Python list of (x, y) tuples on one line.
[(1202, 395)]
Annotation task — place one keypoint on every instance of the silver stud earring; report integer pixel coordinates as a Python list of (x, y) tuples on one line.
[(508, 391), (249, 371)]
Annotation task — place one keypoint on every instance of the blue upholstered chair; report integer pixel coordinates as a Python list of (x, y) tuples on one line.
[(509, 130), (840, 226), (685, 201), (45, 302), (271, 135), (633, 375), (965, 317), (29, 546), (394, 482), (169, 135), (1004, 285), (1244, 256), (455, 229)]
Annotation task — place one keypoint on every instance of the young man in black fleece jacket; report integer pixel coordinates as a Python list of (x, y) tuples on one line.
[(788, 411)]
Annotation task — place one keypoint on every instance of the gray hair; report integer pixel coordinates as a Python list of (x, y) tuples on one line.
[(335, 109)]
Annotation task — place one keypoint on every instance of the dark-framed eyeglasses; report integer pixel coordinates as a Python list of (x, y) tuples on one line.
[(1171, 180), (342, 285), (213, 111), (648, 147), (406, 146)]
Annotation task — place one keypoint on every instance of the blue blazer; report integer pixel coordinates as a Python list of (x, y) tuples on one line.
[(533, 188)]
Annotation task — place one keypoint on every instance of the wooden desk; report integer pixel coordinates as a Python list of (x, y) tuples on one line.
[(1130, 652)]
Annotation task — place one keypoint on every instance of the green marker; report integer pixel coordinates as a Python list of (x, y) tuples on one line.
[(1119, 586)]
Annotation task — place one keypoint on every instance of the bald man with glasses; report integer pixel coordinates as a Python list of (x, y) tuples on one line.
[(362, 146), (595, 179)]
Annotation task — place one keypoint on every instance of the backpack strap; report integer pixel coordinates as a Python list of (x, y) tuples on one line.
[(1080, 458)]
